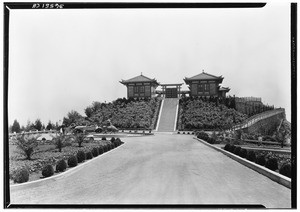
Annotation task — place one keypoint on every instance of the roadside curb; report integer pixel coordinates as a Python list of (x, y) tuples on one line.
[(285, 181), (59, 175)]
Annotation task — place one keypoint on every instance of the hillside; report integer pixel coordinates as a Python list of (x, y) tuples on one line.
[(123, 113), (197, 113)]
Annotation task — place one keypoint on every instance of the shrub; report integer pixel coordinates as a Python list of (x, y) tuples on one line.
[(59, 141), (261, 160), (72, 161), (89, 155), (101, 151), (103, 138), (237, 150), (27, 144), (232, 148), (243, 153), (108, 147), (47, 171), (272, 164), (286, 170), (20, 175), (227, 147), (95, 152), (112, 145), (112, 139), (178, 132), (210, 140), (251, 156), (105, 148), (203, 135), (61, 166), (80, 156), (118, 141), (79, 137)]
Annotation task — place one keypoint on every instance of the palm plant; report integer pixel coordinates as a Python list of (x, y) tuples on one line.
[(27, 144)]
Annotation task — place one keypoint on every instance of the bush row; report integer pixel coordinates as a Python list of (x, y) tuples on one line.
[(21, 175), (250, 155)]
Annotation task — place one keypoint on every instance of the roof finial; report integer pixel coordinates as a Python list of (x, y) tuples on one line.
[(202, 70), (141, 73)]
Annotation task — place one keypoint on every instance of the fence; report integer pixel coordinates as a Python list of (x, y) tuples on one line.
[(254, 119)]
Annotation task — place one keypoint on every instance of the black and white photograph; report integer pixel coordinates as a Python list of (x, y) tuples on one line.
[(150, 105)]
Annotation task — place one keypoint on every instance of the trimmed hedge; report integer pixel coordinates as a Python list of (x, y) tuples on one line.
[(81, 156), (237, 150), (232, 148), (105, 148), (112, 139), (286, 170), (227, 147), (47, 171), (101, 151), (112, 145), (20, 175), (61, 166), (95, 152), (243, 153), (261, 160), (272, 164), (72, 161), (89, 155), (103, 138), (251, 156), (118, 141), (202, 135)]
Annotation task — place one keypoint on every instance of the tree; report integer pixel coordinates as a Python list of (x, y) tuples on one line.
[(16, 127), (49, 126), (60, 141), (38, 125), (72, 117), (88, 111), (27, 144)]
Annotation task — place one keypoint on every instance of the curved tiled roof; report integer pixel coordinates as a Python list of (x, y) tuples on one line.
[(204, 76), (140, 78)]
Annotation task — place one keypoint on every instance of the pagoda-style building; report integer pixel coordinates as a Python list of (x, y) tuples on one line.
[(140, 87), (205, 84)]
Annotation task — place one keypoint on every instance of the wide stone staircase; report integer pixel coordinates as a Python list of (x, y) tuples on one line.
[(168, 115)]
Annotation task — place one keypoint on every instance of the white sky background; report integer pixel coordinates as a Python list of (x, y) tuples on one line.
[(63, 60)]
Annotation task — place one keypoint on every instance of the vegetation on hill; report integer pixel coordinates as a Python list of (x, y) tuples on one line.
[(123, 113), (200, 113)]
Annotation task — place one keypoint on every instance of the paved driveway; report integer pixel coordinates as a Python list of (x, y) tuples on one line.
[(160, 169)]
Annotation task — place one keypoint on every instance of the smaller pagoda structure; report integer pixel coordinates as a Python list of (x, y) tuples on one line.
[(140, 86), (205, 84)]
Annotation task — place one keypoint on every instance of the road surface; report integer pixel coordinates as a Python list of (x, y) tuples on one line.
[(159, 169)]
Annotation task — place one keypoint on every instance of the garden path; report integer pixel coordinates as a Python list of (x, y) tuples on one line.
[(159, 169)]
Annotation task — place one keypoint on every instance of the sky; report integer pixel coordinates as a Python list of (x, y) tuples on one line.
[(63, 60)]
